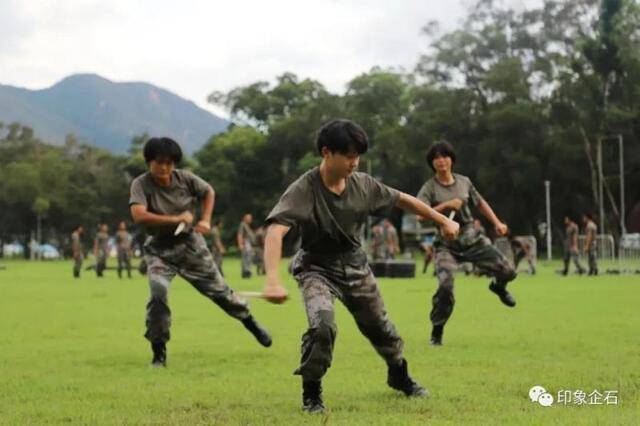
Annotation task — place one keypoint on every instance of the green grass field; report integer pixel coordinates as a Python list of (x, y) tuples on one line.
[(72, 351)]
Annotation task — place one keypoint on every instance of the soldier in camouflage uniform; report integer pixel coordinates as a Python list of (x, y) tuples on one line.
[(246, 240), (427, 247), (450, 192), (217, 248), (123, 246), (161, 199), (101, 248), (590, 242), (328, 206), (258, 250), (391, 237), (521, 250), (571, 246), (378, 243), (77, 250)]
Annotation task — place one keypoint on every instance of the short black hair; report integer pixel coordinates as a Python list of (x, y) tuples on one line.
[(162, 147), (442, 149), (588, 216), (339, 135)]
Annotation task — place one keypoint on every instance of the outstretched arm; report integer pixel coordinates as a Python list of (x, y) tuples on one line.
[(141, 215), (274, 291), (486, 210), (204, 224), (412, 204)]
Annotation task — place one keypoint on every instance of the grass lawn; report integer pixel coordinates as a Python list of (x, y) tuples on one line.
[(72, 351)]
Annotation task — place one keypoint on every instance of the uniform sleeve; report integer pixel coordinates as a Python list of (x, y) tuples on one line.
[(380, 197), (199, 187), (474, 195), (293, 207), (137, 193), (424, 194)]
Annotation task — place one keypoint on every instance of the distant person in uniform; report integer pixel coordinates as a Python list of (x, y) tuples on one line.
[(391, 237), (522, 250), (571, 246), (77, 250), (101, 248), (378, 243), (590, 242), (124, 241), (258, 250), (246, 239), (217, 247), (427, 248)]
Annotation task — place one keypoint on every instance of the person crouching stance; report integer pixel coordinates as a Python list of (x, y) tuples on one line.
[(329, 206)]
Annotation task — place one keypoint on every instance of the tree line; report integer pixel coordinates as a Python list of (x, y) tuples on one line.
[(523, 95)]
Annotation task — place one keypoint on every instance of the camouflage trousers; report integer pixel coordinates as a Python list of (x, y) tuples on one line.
[(124, 262), (379, 253), (570, 255), (355, 286), (101, 262), (258, 260), (77, 264), (189, 257), (593, 263), (218, 258), (485, 258), (519, 255), (247, 258)]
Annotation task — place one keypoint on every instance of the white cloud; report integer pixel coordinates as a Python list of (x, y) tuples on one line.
[(195, 47)]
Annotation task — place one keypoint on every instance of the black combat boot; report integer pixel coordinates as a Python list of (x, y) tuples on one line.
[(159, 355), (312, 396), (261, 335), (436, 335), (503, 294), (398, 378)]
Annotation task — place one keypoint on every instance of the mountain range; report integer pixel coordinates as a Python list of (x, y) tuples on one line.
[(107, 114)]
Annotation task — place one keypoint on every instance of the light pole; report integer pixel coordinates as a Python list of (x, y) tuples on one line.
[(547, 188), (623, 229)]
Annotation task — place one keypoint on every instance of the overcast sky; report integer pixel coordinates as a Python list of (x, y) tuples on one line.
[(195, 47)]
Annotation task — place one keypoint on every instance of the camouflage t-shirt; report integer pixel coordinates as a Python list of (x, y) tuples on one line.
[(592, 230), (102, 239), (247, 233), (329, 223), (123, 240), (182, 194), (76, 243), (570, 231), (434, 193)]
